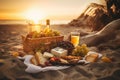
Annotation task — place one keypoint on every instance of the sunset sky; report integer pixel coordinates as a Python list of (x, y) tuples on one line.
[(53, 9)]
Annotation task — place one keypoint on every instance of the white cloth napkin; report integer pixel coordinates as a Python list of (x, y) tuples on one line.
[(31, 68), (35, 69)]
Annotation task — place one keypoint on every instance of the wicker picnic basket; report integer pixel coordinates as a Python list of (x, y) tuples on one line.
[(31, 44)]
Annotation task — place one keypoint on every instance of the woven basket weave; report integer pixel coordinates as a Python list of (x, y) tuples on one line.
[(31, 44)]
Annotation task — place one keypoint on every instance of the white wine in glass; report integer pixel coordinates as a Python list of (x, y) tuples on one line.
[(75, 38)]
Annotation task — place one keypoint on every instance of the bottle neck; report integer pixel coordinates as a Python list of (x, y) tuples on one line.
[(47, 22), (47, 25)]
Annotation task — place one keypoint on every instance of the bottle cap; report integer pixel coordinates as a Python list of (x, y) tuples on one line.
[(47, 22)]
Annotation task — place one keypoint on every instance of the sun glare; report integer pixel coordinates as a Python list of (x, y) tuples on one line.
[(35, 15)]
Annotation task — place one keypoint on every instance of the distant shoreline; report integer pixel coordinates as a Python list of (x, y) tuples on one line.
[(24, 22), (28, 25)]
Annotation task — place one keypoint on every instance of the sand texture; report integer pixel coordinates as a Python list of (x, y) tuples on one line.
[(12, 68)]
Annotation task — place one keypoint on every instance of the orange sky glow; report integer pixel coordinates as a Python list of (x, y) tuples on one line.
[(52, 9)]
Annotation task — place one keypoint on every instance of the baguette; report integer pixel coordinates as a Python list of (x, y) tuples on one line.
[(71, 57), (40, 59), (92, 57), (34, 61), (37, 57), (64, 61)]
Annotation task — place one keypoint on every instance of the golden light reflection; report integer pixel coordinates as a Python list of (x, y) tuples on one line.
[(36, 28), (34, 15)]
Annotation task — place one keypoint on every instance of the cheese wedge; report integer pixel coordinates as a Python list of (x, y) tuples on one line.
[(59, 52)]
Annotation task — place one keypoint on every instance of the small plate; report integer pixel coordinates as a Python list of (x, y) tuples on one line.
[(91, 52)]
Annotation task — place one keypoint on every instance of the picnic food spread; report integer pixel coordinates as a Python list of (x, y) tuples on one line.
[(59, 52), (49, 48)]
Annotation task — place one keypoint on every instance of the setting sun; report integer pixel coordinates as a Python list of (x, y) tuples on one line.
[(35, 15)]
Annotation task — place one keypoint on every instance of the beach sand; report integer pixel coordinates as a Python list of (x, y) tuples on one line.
[(12, 68)]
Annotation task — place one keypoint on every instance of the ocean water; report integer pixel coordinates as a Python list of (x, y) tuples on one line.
[(12, 22), (24, 22)]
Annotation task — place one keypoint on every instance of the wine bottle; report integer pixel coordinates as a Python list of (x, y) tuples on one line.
[(47, 29)]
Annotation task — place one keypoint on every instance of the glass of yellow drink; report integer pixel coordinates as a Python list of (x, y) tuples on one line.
[(75, 38)]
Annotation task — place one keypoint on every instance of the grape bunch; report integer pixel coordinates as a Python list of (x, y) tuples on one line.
[(80, 50), (33, 34), (43, 33), (66, 45)]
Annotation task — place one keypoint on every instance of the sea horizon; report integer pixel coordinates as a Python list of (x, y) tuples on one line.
[(24, 22)]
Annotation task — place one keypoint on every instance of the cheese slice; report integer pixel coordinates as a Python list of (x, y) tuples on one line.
[(47, 55)]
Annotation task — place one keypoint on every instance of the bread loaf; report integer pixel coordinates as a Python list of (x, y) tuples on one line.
[(40, 59), (106, 59), (92, 57)]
